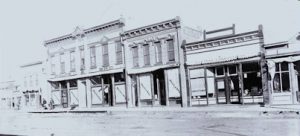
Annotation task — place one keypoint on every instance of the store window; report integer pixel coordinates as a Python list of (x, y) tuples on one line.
[(281, 80), (232, 70), (252, 79), (197, 82), (220, 71)]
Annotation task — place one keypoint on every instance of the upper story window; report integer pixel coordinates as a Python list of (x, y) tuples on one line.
[(25, 82), (82, 58), (105, 55), (158, 55), (62, 63), (171, 52), (72, 61), (30, 81), (135, 56), (36, 80), (146, 55), (281, 81), (52, 65), (93, 56), (119, 58)]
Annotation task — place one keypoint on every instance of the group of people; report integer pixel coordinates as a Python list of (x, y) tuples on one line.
[(46, 106)]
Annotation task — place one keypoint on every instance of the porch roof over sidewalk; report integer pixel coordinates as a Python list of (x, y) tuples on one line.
[(150, 69), (87, 75)]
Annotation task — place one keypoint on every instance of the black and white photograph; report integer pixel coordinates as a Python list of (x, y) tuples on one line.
[(150, 68)]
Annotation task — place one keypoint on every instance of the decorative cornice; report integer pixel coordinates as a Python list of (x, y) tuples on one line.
[(119, 23), (277, 44), (32, 64), (165, 25), (224, 40)]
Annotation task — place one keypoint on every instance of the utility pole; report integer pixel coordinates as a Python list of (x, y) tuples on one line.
[(264, 68)]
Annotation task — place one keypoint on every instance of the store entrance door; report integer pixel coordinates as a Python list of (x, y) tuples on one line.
[(227, 85), (159, 88)]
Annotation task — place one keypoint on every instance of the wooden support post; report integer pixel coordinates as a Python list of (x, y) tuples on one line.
[(241, 81), (61, 99), (189, 92), (167, 87), (158, 90), (152, 89), (113, 93), (138, 90), (205, 82), (102, 90), (68, 93)]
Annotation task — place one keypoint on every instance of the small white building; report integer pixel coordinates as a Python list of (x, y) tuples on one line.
[(10, 97), (33, 85)]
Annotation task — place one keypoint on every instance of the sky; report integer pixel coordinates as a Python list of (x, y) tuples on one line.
[(25, 25)]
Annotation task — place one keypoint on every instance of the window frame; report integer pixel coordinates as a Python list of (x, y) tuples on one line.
[(201, 77), (119, 53), (62, 63), (158, 52), (72, 61), (135, 56), (280, 72), (93, 57), (105, 55), (52, 65), (146, 54), (170, 43), (82, 57)]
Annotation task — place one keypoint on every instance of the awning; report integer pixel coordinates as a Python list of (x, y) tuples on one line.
[(226, 62), (287, 59), (87, 75), (150, 69)]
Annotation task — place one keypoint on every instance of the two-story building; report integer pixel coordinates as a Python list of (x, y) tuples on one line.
[(155, 73), (227, 68), (86, 67), (10, 97), (33, 85), (284, 68)]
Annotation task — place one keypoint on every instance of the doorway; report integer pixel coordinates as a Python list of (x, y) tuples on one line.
[(64, 94), (227, 85), (159, 88)]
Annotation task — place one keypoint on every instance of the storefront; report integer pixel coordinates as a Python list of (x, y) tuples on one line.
[(108, 90), (157, 87), (92, 91), (32, 99), (284, 67), (225, 70)]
